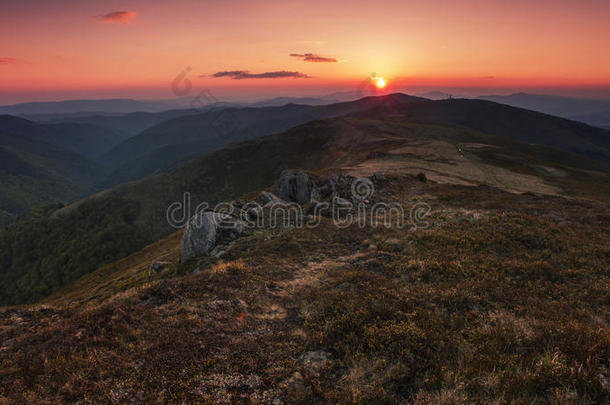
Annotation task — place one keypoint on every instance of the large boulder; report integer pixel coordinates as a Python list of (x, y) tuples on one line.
[(205, 231), (295, 186)]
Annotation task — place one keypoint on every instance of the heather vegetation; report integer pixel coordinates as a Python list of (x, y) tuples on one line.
[(498, 295), (503, 298)]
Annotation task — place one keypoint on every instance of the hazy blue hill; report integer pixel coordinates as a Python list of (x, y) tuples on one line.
[(172, 141), (86, 139), (280, 101), (44, 144), (119, 105), (600, 118), (590, 111), (126, 124)]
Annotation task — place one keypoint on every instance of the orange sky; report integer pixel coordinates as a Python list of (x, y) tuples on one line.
[(58, 47)]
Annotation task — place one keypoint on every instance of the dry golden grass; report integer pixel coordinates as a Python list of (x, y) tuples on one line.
[(503, 299), (128, 273)]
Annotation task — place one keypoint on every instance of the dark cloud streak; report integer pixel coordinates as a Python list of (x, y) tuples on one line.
[(245, 74), (310, 57), (118, 17)]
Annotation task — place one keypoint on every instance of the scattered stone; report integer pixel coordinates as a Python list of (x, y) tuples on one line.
[(314, 362), (238, 203), (422, 177), (309, 364), (294, 187), (266, 197), (377, 176), (342, 203), (255, 212), (295, 385), (217, 252), (605, 383), (155, 267), (226, 386), (205, 231)]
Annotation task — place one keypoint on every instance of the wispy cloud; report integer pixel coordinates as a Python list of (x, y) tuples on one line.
[(245, 74), (6, 61), (118, 17), (311, 57)]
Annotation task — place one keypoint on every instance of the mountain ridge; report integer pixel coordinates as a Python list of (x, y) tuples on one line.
[(359, 145)]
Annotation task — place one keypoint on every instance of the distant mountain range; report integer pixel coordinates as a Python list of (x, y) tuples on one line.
[(130, 124), (103, 150), (169, 142), (70, 109), (280, 101), (485, 143), (591, 111), (119, 105)]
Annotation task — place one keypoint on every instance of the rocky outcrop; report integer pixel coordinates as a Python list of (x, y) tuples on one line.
[(302, 188), (211, 233), (206, 230), (295, 186)]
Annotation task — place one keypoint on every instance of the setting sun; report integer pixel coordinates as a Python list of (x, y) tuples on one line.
[(379, 82)]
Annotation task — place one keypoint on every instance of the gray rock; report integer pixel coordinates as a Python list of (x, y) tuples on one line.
[(333, 179), (205, 231), (342, 203), (238, 203), (295, 385), (313, 363), (294, 187), (378, 176), (155, 267), (266, 197), (217, 252), (255, 212)]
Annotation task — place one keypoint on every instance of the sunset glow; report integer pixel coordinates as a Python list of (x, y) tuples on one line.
[(62, 48), (379, 82)]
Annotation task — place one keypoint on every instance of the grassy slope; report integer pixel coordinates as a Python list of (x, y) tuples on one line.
[(503, 298), (122, 275), (511, 123), (222, 175)]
